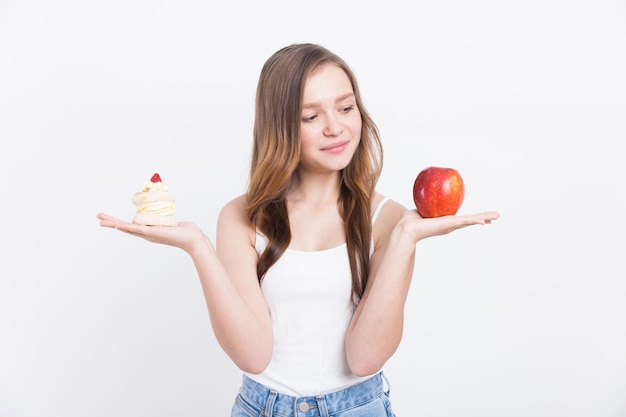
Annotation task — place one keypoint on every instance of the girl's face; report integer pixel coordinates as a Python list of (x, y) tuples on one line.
[(331, 121)]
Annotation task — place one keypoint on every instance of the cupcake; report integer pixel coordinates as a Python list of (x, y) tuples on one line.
[(155, 205)]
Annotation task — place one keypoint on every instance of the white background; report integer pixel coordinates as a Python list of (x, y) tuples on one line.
[(526, 317)]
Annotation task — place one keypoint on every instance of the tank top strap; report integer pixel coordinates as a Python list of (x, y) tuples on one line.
[(374, 217), (260, 241), (379, 208)]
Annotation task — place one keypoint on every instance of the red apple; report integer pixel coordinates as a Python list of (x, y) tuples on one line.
[(438, 191)]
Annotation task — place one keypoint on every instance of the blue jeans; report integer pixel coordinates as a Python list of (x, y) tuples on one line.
[(365, 399)]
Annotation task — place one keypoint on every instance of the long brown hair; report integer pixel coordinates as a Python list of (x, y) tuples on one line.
[(276, 154)]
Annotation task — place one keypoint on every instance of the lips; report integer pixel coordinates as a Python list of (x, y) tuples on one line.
[(336, 147)]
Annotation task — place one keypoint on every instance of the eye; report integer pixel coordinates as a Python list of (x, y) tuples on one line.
[(347, 109), (306, 119)]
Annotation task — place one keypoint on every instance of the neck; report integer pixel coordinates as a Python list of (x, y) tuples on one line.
[(315, 188)]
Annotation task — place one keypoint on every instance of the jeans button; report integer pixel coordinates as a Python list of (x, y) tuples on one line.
[(304, 407)]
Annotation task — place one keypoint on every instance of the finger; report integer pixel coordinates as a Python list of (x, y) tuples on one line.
[(102, 216), (490, 216), (135, 229), (481, 217), (115, 223), (106, 220)]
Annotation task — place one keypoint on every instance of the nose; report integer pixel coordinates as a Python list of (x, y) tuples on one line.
[(333, 126)]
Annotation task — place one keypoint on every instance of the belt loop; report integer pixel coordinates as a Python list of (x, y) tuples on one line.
[(321, 405), (385, 383), (269, 404)]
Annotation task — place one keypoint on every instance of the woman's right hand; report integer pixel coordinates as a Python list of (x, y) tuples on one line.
[(185, 236)]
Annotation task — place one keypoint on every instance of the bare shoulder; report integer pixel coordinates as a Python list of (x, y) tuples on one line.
[(233, 220), (235, 208), (390, 214), (234, 243), (390, 211)]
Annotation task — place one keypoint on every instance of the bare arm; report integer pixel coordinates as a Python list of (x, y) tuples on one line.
[(246, 331), (236, 307), (377, 325)]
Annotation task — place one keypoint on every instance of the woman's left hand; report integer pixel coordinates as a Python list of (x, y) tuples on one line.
[(417, 228)]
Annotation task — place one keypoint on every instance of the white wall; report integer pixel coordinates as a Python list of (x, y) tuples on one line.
[(526, 99)]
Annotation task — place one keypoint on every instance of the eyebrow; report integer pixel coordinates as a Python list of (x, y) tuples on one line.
[(339, 99)]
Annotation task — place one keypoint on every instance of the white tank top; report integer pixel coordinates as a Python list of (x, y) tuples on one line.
[(309, 298)]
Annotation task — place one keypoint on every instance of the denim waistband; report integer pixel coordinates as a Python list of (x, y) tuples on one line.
[(277, 404)]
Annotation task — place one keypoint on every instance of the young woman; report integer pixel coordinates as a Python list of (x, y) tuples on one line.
[(307, 283)]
